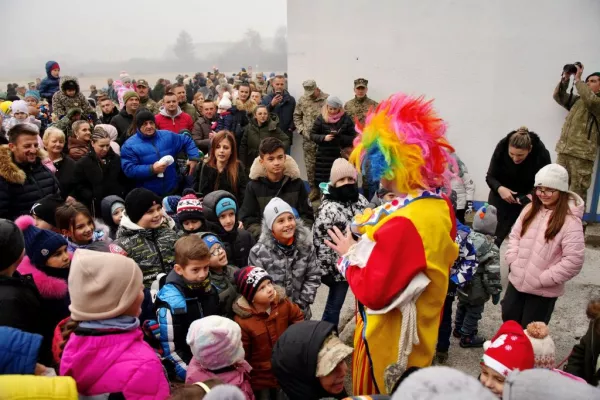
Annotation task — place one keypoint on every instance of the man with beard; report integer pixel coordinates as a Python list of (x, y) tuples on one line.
[(109, 110), (143, 90), (203, 128), (179, 90)]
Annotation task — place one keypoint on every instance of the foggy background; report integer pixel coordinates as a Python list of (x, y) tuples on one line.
[(151, 36)]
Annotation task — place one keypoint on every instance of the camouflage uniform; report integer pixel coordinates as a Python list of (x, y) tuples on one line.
[(61, 103), (149, 104), (262, 87), (189, 109), (306, 112), (578, 143)]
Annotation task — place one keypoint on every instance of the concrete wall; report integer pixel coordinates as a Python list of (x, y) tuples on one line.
[(490, 65)]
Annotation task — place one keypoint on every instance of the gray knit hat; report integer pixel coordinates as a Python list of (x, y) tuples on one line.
[(274, 209), (485, 220), (544, 384), (334, 101)]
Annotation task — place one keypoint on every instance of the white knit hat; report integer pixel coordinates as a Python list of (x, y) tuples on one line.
[(274, 209), (553, 176), (225, 103), (543, 346), (216, 342), (19, 106)]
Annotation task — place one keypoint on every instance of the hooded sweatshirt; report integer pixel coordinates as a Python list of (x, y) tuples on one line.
[(175, 123)]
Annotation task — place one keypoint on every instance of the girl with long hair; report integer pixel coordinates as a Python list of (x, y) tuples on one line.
[(222, 171), (546, 248)]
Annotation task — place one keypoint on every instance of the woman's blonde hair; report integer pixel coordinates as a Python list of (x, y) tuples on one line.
[(50, 131)]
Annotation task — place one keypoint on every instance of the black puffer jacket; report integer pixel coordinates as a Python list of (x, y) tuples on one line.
[(94, 180), (208, 179), (328, 152), (294, 360), (122, 122), (65, 172), (22, 185), (238, 242)]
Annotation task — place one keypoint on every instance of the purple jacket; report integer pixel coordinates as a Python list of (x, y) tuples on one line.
[(240, 376), (114, 362)]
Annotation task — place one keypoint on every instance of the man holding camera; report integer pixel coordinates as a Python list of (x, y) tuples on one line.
[(577, 146)]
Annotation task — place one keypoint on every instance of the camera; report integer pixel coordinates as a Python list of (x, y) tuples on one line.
[(571, 68)]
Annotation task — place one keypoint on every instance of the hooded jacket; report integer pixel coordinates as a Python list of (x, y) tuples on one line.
[(583, 361), (106, 214), (49, 84), (260, 332), (122, 121), (152, 249), (177, 306), (295, 269), (176, 123), (542, 268), (254, 134), (260, 190), (295, 357), (21, 185), (61, 103), (140, 152), (105, 361), (238, 242)]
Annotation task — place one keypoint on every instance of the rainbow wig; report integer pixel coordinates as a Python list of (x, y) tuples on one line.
[(404, 140)]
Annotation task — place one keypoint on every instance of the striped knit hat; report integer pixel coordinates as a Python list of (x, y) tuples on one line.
[(248, 279), (189, 207)]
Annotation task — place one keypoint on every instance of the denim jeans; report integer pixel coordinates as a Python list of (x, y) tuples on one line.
[(467, 317), (445, 329), (335, 301)]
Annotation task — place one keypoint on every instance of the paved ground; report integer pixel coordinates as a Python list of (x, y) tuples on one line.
[(567, 325)]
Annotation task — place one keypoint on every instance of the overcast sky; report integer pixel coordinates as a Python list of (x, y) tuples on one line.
[(122, 29)]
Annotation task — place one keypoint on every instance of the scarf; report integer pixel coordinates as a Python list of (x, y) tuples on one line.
[(287, 249), (121, 323), (331, 118), (203, 287), (344, 194)]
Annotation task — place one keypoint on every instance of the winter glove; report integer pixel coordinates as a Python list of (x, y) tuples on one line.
[(496, 299)]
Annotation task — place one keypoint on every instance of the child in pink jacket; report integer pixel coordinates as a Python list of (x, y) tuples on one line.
[(218, 353), (106, 352), (545, 250)]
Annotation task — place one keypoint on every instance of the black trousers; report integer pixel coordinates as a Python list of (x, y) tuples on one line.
[(525, 308)]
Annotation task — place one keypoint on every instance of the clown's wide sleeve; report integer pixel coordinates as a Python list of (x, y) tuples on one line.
[(397, 256)]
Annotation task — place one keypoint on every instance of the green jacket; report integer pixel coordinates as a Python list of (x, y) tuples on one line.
[(579, 136), (254, 134)]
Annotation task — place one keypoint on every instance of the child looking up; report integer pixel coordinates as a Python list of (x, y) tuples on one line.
[(186, 296), (106, 297), (285, 250), (218, 353), (75, 222), (221, 274), (262, 307)]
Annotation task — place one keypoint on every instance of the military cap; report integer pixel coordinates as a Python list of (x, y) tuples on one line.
[(361, 82), (142, 82), (309, 86), (331, 353)]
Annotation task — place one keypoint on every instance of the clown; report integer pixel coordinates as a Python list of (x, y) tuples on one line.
[(399, 269)]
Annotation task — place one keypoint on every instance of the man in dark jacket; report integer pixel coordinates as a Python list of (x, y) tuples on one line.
[(124, 120), (309, 361), (109, 110), (203, 127), (282, 103), (273, 174), (23, 178)]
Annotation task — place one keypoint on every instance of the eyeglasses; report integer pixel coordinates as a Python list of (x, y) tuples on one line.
[(545, 192), (218, 249)]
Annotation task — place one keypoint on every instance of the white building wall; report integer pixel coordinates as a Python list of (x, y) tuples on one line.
[(490, 65)]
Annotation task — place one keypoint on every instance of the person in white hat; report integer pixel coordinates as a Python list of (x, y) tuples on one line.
[(545, 250)]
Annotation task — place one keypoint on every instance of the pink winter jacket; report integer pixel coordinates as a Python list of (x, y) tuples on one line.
[(541, 268), (115, 363), (240, 376)]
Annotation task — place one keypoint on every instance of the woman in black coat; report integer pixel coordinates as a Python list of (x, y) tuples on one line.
[(516, 160), (222, 171), (333, 131), (99, 174)]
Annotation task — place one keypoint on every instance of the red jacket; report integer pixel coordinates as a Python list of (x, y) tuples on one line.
[(174, 124)]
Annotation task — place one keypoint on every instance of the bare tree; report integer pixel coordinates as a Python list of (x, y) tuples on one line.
[(184, 47)]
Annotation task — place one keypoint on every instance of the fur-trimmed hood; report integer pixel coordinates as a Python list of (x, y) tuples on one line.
[(9, 170), (302, 235), (69, 78), (48, 286), (243, 309), (248, 106), (291, 169)]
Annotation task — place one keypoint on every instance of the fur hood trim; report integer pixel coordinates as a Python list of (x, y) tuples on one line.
[(48, 286), (243, 309), (303, 236), (9, 170), (291, 169)]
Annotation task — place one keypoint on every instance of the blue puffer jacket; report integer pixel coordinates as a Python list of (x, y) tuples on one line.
[(18, 351), (140, 152), (49, 84)]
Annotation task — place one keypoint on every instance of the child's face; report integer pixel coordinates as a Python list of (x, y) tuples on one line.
[(389, 197), (82, 230), (59, 259), (70, 92), (31, 101), (284, 226), (55, 72), (117, 215), (265, 294), (227, 220), (194, 271), (21, 116), (218, 256), (273, 162), (152, 218), (492, 380), (192, 224)]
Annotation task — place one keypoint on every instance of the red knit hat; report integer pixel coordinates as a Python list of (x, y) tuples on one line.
[(248, 279), (510, 349), (189, 207)]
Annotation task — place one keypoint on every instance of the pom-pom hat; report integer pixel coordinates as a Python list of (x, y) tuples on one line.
[(509, 350), (544, 349)]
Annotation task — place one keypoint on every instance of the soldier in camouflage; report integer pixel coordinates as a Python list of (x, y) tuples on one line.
[(578, 143), (143, 90), (307, 110), (357, 109)]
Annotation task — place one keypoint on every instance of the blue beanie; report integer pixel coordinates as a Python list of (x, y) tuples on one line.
[(40, 244), (170, 204), (33, 93), (210, 240), (226, 203)]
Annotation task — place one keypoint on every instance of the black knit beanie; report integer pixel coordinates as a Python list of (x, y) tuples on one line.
[(12, 243), (138, 202), (143, 116)]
